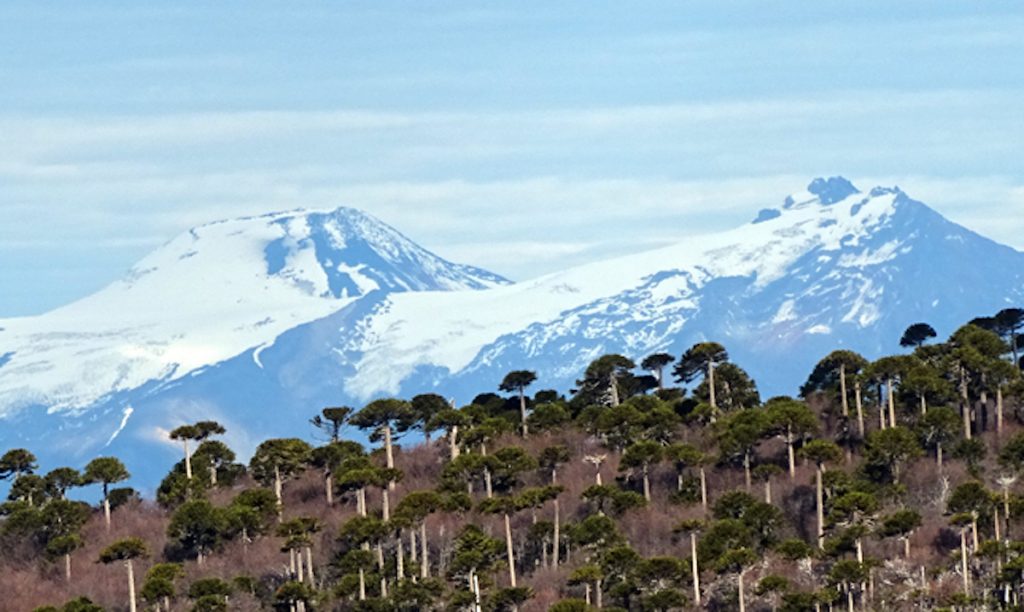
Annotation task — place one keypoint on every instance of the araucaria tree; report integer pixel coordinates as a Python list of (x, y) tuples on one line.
[(278, 460), (384, 418), (105, 471), (700, 361), (517, 381), (126, 551)]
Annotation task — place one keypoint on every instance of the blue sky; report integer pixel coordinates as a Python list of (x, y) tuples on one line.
[(523, 137)]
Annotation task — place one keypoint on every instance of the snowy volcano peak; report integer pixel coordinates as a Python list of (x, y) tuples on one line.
[(209, 294), (340, 253)]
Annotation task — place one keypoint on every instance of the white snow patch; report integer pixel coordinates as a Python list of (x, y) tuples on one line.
[(864, 310), (128, 411), (256, 354), (865, 258)]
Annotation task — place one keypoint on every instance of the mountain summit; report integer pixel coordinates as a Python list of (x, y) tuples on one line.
[(208, 295), (260, 322)]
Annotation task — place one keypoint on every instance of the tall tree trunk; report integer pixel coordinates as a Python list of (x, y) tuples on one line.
[(1006, 510), (399, 558), (892, 402), (188, 460), (924, 405), (277, 492), (767, 491), (789, 450), (362, 584), (693, 567), (67, 567), (510, 552), (938, 456), (424, 559), (963, 560), (385, 505), (995, 524), (819, 499), (106, 505), (647, 484), (329, 487), (860, 407), (739, 586), (999, 410), (487, 483), (842, 390), (1013, 347), (746, 470), (881, 414), (703, 490), (906, 546), (131, 585), (309, 566), (598, 593), (556, 544), (711, 387), (453, 446), (965, 403), (299, 563), (522, 411), (380, 567), (389, 451)]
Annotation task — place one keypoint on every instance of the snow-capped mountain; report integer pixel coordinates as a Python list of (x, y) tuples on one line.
[(260, 322)]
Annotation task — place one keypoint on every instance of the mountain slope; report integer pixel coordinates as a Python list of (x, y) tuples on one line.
[(832, 267)]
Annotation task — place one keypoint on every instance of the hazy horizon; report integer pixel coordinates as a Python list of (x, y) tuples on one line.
[(522, 140)]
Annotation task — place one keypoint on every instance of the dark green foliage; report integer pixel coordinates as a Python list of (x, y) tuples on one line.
[(105, 471), (284, 457), (972, 452), (197, 527), (332, 420), (17, 462), (122, 550), (917, 334), (209, 587), (81, 604), (606, 382), (888, 450), (570, 605), (794, 549), (548, 417)]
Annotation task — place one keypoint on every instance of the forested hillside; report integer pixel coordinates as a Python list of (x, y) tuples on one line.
[(666, 483)]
